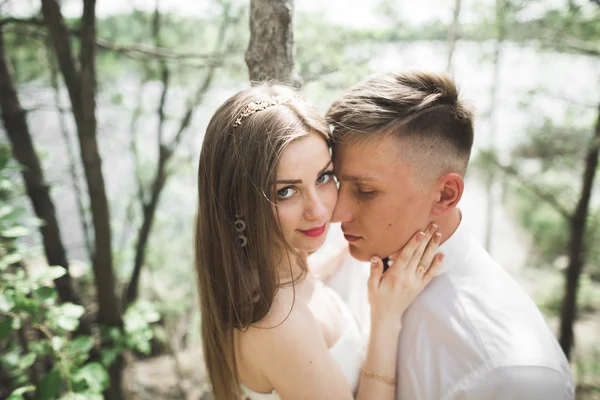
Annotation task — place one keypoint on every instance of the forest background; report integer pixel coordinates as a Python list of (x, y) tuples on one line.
[(104, 105)]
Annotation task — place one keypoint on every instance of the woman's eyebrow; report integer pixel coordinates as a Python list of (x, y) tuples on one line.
[(297, 181)]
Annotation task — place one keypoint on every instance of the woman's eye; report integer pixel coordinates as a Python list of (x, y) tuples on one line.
[(285, 193), (325, 178)]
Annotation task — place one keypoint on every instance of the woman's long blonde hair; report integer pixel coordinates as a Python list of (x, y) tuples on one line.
[(236, 180)]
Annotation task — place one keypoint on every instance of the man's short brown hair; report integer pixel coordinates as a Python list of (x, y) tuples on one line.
[(422, 107)]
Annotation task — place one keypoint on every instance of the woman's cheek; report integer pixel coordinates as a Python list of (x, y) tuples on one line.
[(332, 196), (287, 218)]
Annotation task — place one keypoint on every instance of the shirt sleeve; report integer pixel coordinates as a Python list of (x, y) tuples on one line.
[(518, 382)]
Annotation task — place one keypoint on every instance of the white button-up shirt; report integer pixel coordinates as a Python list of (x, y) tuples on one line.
[(475, 334)]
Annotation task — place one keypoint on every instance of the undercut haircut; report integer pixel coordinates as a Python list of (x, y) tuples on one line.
[(422, 109)]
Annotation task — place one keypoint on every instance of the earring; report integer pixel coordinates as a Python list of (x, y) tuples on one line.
[(240, 227)]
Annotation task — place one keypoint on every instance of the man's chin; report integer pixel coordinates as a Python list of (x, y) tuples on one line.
[(359, 254)]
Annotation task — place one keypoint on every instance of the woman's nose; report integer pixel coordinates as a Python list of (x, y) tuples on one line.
[(315, 208)]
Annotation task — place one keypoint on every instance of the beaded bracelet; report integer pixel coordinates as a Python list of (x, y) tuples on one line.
[(375, 375)]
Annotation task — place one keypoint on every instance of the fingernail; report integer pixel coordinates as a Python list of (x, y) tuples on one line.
[(433, 228), (373, 262), (442, 257), (420, 236), (437, 237)]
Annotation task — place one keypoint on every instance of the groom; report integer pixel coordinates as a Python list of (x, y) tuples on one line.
[(401, 147)]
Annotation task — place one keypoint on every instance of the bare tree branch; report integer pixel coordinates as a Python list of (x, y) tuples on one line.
[(141, 52), (166, 151), (532, 187), (578, 45), (453, 34), (26, 21), (45, 107), (134, 51)]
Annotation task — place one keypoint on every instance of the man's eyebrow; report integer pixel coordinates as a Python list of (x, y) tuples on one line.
[(298, 181), (356, 178)]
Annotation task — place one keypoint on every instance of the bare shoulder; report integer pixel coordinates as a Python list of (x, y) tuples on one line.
[(287, 320), (289, 349)]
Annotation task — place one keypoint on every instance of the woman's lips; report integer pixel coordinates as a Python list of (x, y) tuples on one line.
[(316, 231), (351, 238)]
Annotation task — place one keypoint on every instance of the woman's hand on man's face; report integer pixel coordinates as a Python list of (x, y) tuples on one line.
[(411, 270)]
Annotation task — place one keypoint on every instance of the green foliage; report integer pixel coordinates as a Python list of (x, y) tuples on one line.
[(573, 26), (37, 330), (587, 370), (588, 297), (28, 307), (549, 162), (324, 50)]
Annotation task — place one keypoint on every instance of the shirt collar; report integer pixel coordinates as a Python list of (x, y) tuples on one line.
[(455, 248)]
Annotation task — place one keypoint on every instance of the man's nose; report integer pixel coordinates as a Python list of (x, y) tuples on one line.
[(341, 212)]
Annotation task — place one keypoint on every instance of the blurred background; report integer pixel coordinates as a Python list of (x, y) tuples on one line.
[(104, 105)]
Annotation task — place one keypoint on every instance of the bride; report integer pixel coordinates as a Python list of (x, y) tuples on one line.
[(270, 330)]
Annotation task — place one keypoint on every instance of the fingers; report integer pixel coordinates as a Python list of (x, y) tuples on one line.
[(428, 242), (434, 269), (426, 259), (410, 254), (376, 272), (402, 258)]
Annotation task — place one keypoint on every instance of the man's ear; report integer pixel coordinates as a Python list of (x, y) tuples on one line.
[(449, 189)]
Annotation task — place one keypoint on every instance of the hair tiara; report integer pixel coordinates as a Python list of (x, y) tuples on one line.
[(256, 106)]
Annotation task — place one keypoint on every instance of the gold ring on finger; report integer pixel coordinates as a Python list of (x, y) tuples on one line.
[(421, 269)]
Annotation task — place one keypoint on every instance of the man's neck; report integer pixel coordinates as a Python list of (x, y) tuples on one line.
[(447, 224)]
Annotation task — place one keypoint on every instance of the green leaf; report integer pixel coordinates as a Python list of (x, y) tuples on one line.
[(27, 305), (48, 274), (7, 303), (17, 394), (82, 345), (10, 259), (57, 343), (50, 385), (109, 356), (81, 396), (27, 361), (72, 310), (67, 323), (5, 210), (5, 328), (15, 232), (134, 322), (94, 375), (17, 323), (45, 294)]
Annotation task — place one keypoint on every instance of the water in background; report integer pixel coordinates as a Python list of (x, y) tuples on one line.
[(562, 80)]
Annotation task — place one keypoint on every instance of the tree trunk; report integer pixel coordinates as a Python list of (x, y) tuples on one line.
[(15, 123), (81, 85), (271, 52), (577, 251), (73, 165), (453, 34)]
